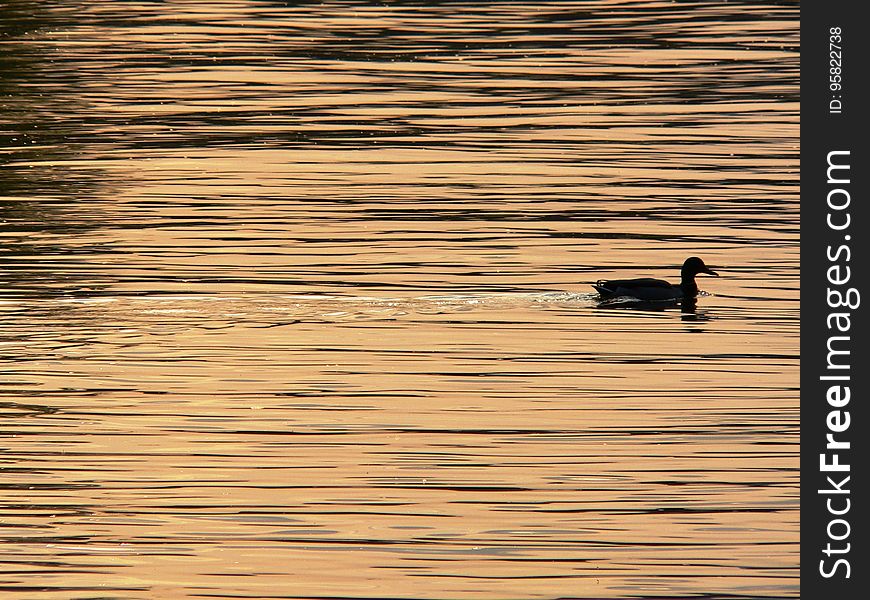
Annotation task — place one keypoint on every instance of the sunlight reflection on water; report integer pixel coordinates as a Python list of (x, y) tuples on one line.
[(297, 299)]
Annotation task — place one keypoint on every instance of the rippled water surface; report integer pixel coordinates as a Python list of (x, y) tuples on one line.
[(296, 300)]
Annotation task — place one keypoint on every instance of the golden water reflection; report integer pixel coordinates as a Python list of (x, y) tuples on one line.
[(296, 300)]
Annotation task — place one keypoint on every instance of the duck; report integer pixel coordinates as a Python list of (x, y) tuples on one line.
[(651, 290)]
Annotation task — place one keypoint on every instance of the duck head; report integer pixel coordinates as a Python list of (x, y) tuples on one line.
[(695, 265)]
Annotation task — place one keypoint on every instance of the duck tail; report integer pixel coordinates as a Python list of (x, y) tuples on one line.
[(601, 287)]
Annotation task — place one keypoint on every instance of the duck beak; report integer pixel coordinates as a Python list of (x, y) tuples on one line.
[(709, 271)]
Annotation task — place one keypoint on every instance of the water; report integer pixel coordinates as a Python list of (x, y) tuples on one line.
[(295, 300)]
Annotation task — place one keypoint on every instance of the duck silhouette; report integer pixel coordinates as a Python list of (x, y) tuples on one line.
[(647, 289)]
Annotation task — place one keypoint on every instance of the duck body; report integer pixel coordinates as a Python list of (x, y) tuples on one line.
[(646, 289)]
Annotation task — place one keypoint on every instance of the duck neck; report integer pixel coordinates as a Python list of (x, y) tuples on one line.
[(688, 285)]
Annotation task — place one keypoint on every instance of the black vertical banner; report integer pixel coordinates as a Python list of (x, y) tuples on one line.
[(835, 299)]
